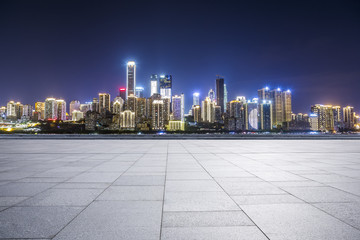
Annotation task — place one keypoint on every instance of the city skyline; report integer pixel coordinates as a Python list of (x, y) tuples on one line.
[(310, 48)]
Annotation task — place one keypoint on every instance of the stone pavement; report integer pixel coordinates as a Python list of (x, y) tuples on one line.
[(180, 189)]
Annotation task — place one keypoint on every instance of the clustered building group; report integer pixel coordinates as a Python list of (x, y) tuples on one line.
[(130, 110)]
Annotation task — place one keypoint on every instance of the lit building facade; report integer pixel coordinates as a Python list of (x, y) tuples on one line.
[(165, 86), (349, 117), (196, 99), (74, 105), (157, 121), (127, 120), (251, 116), (130, 79), (40, 108), (139, 92), (50, 108), (61, 109), (220, 93), (104, 103), (77, 115), (208, 110), (154, 84), (265, 115)]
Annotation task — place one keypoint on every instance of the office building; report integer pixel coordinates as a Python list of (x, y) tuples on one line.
[(325, 115), (165, 86), (196, 99), (95, 105), (211, 95), (220, 92), (11, 109), (286, 101), (196, 111), (130, 79), (264, 94), (277, 107), (77, 115), (175, 125), (50, 109), (349, 117), (265, 115), (40, 108), (117, 105), (122, 93), (154, 84), (131, 103), (314, 122), (157, 121), (139, 92), (74, 105), (127, 120), (85, 107), (251, 116), (208, 110), (178, 107), (27, 111), (61, 109), (141, 111), (225, 97), (104, 103)]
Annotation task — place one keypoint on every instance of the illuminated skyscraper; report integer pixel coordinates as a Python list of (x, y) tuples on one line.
[(85, 107), (28, 111), (74, 105), (165, 86), (104, 102), (196, 110), (154, 84), (167, 106), (77, 115), (208, 110), (127, 120), (50, 108), (337, 117), (10, 110), (130, 79), (196, 99), (141, 111), (122, 93), (225, 97), (277, 107), (286, 101), (349, 117), (131, 103), (251, 115), (220, 92), (264, 94), (178, 107), (118, 105), (61, 109), (139, 92), (314, 122), (40, 108), (325, 116), (265, 116), (95, 105), (211, 95), (157, 121)]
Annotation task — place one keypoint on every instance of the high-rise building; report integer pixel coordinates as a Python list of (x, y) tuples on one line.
[(77, 115), (141, 111), (314, 122), (277, 107), (28, 111), (220, 92), (211, 95), (167, 106), (196, 99), (178, 107), (139, 92), (251, 115), (50, 108), (122, 93), (95, 105), (130, 79), (40, 108), (241, 99), (85, 107), (131, 103), (337, 117), (264, 94), (208, 110), (225, 97), (10, 110), (117, 105), (349, 117), (104, 102), (157, 121), (182, 107), (325, 116), (287, 110), (165, 86), (61, 109), (127, 120), (236, 116), (154, 84), (196, 110), (265, 116), (74, 105)]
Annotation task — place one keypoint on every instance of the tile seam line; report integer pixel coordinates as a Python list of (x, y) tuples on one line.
[(163, 202), (226, 192), (97, 196)]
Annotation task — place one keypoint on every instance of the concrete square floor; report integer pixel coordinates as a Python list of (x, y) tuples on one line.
[(180, 189)]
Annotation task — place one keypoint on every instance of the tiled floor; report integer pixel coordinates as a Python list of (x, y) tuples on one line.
[(180, 189)]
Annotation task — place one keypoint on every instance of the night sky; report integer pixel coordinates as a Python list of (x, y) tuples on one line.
[(76, 49)]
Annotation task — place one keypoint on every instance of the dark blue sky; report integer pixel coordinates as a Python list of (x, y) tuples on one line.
[(75, 49)]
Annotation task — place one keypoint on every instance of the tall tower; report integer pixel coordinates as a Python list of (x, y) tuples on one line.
[(225, 97), (177, 107), (349, 117), (74, 105), (196, 99), (104, 102), (154, 84), (286, 98), (61, 109), (220, 92), (265, 117), (264, 94), (208, 110), (130, 78), (277, 107), (211, 95), (165, 86), (50, 108)]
